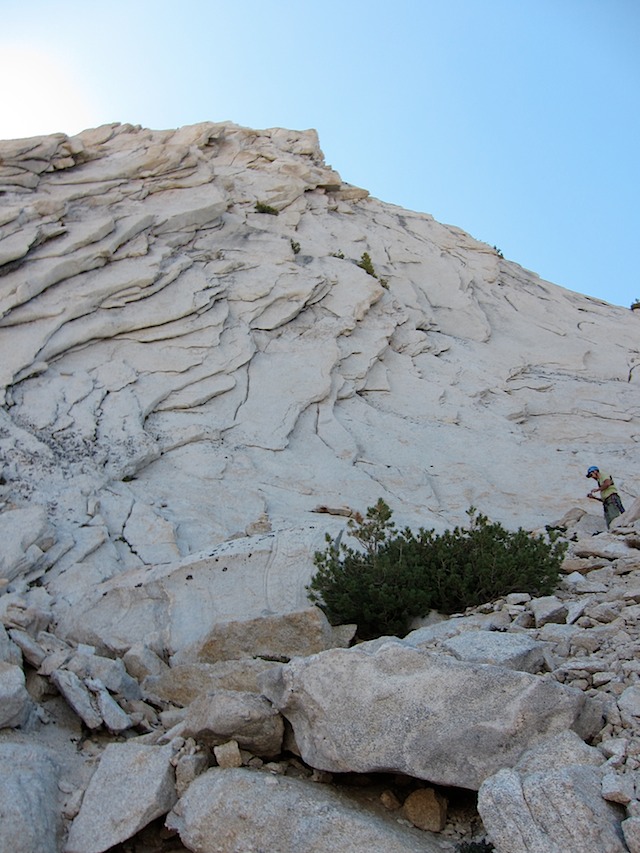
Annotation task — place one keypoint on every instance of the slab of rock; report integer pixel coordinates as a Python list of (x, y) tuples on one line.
[(555, 811), (426, 809), (173, 607), (561, 750), (15, 702), (111, 672), (243, 809), (247, 718), (132, 785), (78, 697), (30, 801), (415, 712), (629, 701), (301, 633), (183, 683), (547, 609), (631, 832), (9, 651), (113, 716), (141, 662), (514, 651)]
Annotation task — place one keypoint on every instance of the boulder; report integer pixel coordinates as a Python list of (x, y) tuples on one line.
[(550, 811), (132, 785), (30, 806), (631, 832), (9, 651), (514, 651), (111, 672), (548, 609), (225, 715), (141, 662), (418, 713), (174, 606), (183, 683), (15, 702), (78, 697), (242, 809), (301, 633)]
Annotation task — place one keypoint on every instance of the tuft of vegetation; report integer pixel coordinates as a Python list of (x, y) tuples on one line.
[(394, 577), (365, 263), (635, 305), (295, 247), (338, 255), (498, 252), (261, 207)]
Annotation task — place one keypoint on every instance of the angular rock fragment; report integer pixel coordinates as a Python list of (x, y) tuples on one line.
[(30, 802), (514, 651), (247, 718), (15, 702), (242, 809), (418, 713), (555, 811), (132, 785)]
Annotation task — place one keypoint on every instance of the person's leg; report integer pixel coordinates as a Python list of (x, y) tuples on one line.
[(612, 508)]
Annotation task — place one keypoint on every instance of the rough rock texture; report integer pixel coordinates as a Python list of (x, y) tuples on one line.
[(230, 811), (247, 718), (132, 785), (553, 811), (180, 369), (414, 712), (30, 817), (200, 377)]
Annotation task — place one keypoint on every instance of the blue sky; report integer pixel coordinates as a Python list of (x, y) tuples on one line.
[(516, 120)]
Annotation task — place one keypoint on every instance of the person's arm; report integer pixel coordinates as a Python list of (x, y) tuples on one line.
[(600, 488)]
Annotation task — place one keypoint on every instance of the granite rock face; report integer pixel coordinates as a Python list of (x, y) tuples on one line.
[(214, 351), (180, 369)]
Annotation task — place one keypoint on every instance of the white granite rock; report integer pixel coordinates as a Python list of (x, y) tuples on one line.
[(247, 718), (190, 385), (241, 809), (175, 371), (436, 718), (15, 702), (112, 810), (555, 811), (513, 651), (30, 817)]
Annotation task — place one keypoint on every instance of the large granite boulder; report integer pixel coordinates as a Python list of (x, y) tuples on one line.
[(420, 713), (239, 809)]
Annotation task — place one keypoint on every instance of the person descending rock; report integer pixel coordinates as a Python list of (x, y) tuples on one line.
[(609, 496)]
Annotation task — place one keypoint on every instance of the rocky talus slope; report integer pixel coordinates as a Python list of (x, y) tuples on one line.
[(213, 350)]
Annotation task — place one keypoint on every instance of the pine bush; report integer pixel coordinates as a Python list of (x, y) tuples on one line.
[(393, 577)]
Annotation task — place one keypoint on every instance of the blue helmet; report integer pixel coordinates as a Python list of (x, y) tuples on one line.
[(591, 470)]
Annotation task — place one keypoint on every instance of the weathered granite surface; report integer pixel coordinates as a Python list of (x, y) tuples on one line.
[(200, 376)]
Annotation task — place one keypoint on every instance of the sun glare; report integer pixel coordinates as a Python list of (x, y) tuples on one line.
[(40, 93)]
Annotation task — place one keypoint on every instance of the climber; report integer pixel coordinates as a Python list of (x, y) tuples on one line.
[(609, 496)]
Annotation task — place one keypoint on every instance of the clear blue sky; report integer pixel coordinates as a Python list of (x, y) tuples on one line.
[(516, 120)]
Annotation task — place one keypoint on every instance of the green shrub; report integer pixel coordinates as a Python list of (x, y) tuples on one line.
[(295, 247), (261, 207), (394, 577), (365, 263)]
